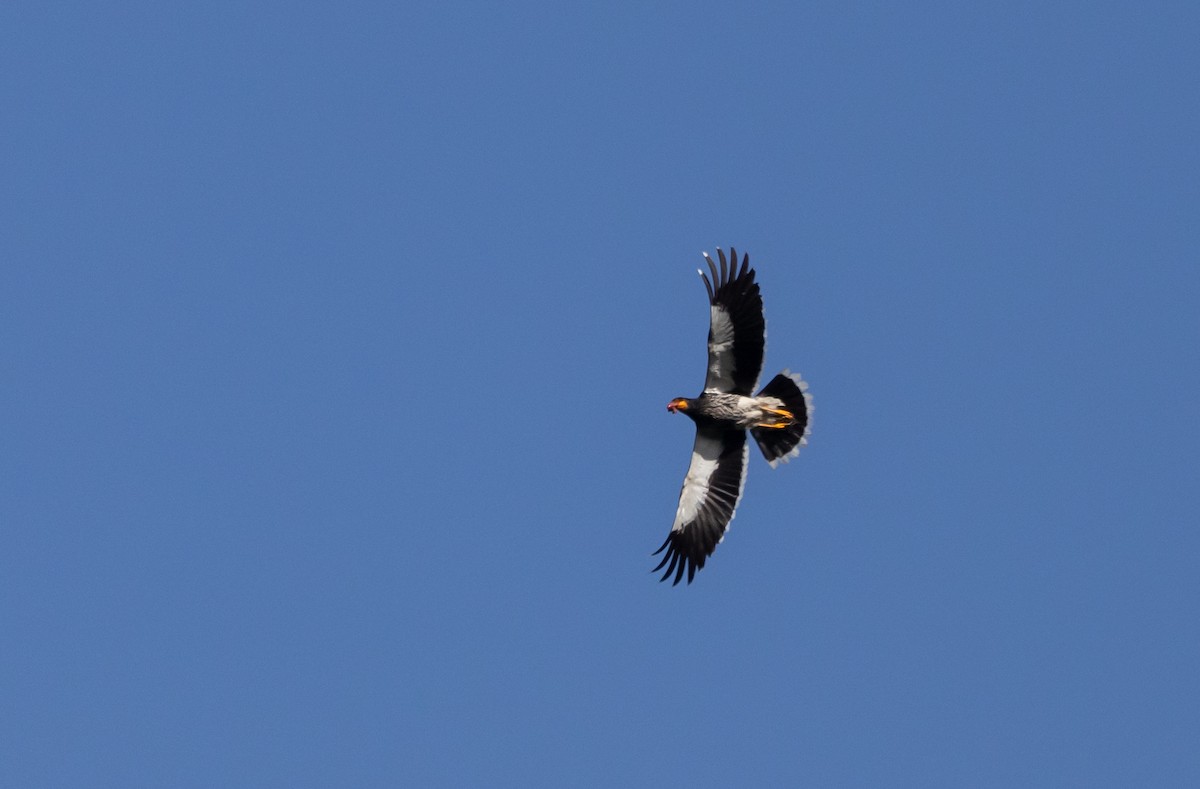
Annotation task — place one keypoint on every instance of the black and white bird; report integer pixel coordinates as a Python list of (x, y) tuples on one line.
[(777, 417)]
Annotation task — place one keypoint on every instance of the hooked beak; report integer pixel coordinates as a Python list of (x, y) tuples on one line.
[(678, 404)]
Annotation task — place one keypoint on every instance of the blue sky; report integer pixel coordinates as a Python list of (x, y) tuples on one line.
[(337, 343)]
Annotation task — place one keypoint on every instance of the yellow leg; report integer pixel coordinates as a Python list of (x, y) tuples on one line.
[(786, 419)]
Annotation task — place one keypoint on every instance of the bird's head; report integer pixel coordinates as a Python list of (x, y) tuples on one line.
[(678, 404)]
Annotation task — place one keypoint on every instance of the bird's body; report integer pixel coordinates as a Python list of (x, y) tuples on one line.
[(777, 417), (729, 410)]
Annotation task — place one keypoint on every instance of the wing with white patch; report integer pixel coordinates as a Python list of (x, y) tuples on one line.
[(710, 494), (737, 333)]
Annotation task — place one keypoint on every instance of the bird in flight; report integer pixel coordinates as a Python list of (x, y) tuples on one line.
[(777, 417)]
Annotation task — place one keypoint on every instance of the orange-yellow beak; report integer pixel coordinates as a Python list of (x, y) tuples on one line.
[(678, 404)]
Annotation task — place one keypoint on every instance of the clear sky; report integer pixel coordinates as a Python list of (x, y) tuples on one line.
[(337, 340)]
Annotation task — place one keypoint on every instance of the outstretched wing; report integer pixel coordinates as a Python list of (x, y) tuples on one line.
[(737, 333), (710, 495)]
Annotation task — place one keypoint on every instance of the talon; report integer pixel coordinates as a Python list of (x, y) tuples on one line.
[(786, 419)]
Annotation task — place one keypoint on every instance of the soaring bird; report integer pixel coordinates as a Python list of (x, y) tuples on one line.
[(777, 417)]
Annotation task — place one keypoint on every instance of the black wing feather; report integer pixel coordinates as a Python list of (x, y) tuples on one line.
[(734, 363), (707, 501)]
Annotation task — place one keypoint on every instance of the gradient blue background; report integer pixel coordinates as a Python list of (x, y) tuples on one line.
[(336, 340)]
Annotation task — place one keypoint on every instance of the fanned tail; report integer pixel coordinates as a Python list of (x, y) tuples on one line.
[(781, 444)]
